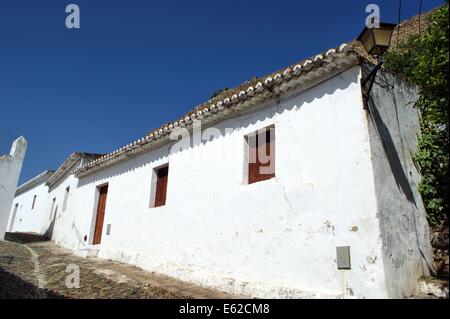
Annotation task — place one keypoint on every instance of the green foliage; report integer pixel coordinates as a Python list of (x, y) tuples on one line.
[(403, 60), (424, 60)]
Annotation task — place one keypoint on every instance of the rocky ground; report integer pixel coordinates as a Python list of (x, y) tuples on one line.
[(38, 270)]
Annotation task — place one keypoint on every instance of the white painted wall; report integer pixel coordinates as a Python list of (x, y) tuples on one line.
[(65, 230), (27, 219), (10, 167), (275, 238)]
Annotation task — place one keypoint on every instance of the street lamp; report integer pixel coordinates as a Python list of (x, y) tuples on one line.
[(376, 41)]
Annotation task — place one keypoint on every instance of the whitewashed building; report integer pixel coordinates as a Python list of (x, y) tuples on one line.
[(29, 206), (336, 215)]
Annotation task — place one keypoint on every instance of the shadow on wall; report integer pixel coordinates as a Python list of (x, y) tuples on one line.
[(80, 237), (318, 91), (392, 155), (49, 232)]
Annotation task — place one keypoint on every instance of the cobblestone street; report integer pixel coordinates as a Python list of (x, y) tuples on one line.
[(38, 270)]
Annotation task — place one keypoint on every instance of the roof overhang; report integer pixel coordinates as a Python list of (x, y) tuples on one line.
[(68, 165)]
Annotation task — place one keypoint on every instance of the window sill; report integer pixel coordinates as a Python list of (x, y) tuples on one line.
[(156, 207), (272, 179)]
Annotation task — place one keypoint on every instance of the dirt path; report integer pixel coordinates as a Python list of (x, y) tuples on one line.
[(38, 270)]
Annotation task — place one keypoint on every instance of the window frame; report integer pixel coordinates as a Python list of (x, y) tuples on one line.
[(66, 198), (52, 207), (157, 183)]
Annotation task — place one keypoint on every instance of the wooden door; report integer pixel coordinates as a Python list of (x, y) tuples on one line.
[(161, 186), (100, 215)]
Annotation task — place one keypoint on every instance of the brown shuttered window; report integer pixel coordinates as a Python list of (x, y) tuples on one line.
[(161, 186), (261, 164)]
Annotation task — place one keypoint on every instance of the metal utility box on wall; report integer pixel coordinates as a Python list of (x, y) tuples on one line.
[(343, 257)]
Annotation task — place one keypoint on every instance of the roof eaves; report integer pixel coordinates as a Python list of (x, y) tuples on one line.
[(68, 164)]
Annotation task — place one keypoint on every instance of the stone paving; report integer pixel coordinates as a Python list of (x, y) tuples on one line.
[(38, 270)]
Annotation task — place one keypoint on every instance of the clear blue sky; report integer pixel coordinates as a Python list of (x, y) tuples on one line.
[(134, 65)]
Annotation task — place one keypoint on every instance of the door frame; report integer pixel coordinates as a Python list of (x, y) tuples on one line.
[(95, 212), (13, 217)]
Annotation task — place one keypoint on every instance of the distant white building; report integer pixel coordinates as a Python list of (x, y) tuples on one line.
[(326, 206), (30, 202)]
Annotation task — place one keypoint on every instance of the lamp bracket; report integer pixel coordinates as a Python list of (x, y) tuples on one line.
[(370, 77)]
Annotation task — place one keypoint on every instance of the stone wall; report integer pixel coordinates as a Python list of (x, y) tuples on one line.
[(393, 131)]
